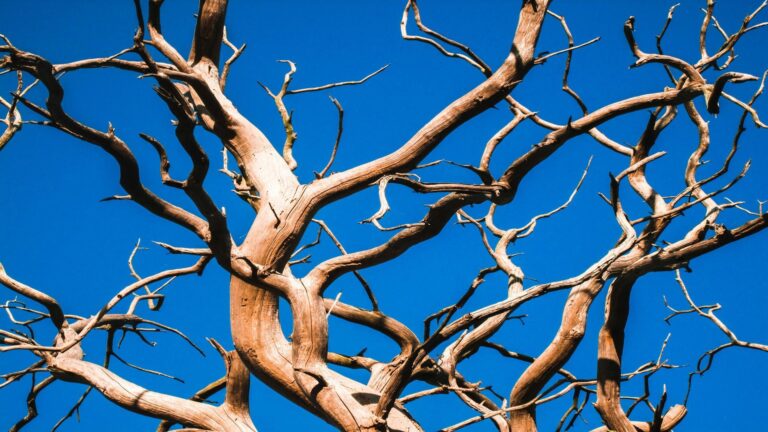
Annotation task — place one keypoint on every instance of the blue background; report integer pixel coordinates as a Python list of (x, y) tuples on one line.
[(55, 234)]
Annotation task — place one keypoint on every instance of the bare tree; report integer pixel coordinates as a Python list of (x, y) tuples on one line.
[(283, 230)]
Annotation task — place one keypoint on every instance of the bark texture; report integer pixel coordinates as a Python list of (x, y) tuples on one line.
[(262, 264)]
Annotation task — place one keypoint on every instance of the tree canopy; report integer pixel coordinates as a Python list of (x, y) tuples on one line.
[(519, 169)]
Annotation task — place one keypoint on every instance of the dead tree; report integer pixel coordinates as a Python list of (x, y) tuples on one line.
[(297, 366)]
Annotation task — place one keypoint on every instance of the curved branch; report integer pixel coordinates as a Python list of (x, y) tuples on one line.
[(50, 303), (481, 98), (130, 179), (135, 398)]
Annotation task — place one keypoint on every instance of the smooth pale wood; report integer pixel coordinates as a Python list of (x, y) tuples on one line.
[(297, 366)]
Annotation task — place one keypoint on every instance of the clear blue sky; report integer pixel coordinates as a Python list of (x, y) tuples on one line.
[(55, 234)]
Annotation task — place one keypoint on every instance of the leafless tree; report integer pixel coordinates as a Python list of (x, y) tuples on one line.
[(297, 366)]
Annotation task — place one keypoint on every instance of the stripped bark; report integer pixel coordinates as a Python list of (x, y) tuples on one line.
[(260, 264)]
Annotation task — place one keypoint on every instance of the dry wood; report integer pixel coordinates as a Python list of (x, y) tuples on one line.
[(297, 366)]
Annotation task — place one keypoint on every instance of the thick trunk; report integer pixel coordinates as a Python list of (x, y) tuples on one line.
[(298, 376), (297, 368)]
